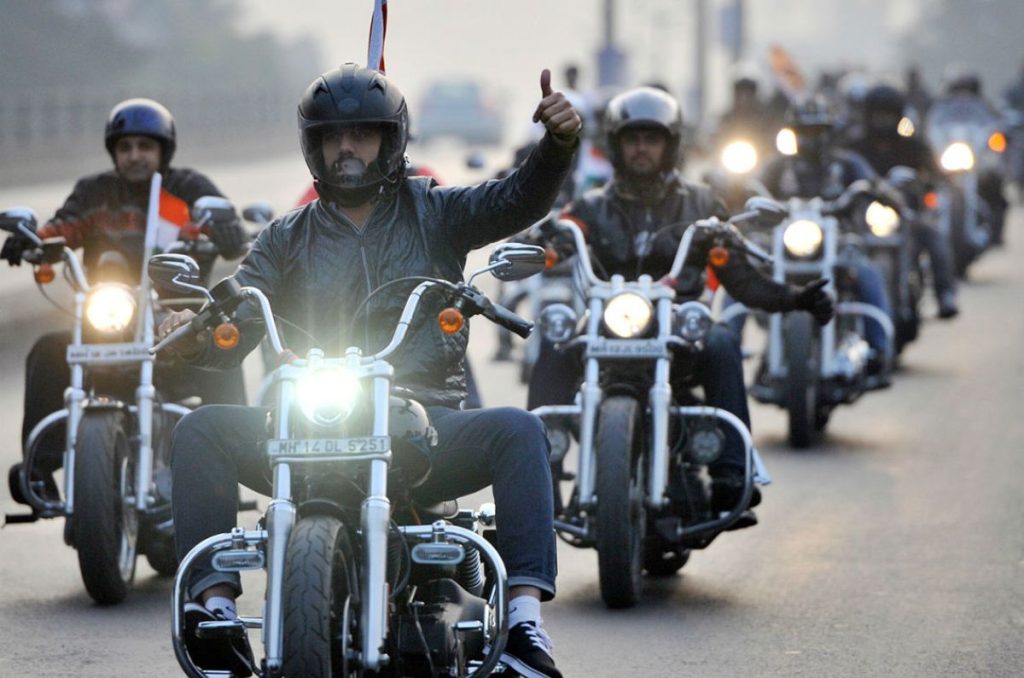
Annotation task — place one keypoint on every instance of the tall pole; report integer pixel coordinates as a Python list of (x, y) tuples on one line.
[(700, 60), (611, 62)]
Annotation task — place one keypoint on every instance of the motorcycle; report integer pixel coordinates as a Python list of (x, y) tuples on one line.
[(640, 494), (552, 286), (807, 370), (733, 180), (116, 484), (968, 143), (359, 580)]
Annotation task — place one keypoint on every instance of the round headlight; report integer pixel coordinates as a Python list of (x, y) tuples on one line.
[(905, 128), (328, 396), (692, 321), (628, 315), (110, 308), (739, 157), (882, 219), (802, 238), (705, 444), (958, 157), (785, 141), (557, 323)]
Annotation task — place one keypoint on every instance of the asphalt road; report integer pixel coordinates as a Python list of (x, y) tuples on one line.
[(894, 549)]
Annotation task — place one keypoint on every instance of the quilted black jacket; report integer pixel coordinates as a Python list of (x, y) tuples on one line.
[(317, 268)]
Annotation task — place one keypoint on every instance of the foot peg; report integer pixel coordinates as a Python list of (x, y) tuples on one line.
[(227, 629)]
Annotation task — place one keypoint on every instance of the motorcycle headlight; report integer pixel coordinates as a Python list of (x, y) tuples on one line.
[(958, 157), (628, 315), (691, 321), (110, 308), (906, 128), (328, 396), (882, 219), (739, 157), (802, 238), (785, 141), (557, 323)]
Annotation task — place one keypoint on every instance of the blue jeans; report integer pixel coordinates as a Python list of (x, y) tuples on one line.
[(217, 447), (869, 287)]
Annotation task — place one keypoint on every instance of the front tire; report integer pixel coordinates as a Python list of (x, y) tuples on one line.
[(320, 599), (621, 518), (801, 348), (104, 522)]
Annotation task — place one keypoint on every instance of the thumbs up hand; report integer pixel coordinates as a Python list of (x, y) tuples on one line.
[(555, 111)]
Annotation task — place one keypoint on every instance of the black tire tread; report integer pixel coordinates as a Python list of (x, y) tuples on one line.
[(618, 574), (95, 523)]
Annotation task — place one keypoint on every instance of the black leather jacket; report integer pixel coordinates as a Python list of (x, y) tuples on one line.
[(790, 176), (632, 237), (104, 213), (317, 268)]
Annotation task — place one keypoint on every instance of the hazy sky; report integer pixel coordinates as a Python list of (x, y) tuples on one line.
[(508, 42)]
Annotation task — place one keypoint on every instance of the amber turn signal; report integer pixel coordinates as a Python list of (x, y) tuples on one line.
[(44, 274), (718, 256), (550, 257), (931, 200), (450, 320), (226, 336), (997, 142)]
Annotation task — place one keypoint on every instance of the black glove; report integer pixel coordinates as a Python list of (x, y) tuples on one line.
[(13, 247), (229, 237), (813, 298)]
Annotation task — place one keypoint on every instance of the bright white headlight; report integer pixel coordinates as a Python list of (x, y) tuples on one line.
[(328, 396), (110, 308), (905, 128), (785, 141), (739, 157), (802, 238), (958, 157), (882, 219), (628, 315)]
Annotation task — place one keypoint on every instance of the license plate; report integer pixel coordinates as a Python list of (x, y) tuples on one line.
[(107, 353), (328, 447), (627, 348)]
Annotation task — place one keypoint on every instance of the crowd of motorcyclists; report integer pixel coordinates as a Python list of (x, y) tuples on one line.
[(605, 173)]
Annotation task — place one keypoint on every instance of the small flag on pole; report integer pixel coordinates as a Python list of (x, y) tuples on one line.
[(378, 31)]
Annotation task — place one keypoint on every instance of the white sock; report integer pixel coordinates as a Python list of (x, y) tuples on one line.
[(225, 605), (523, 609)]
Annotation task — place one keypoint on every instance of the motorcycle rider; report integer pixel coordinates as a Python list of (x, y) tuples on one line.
[(373, 225), (965, 86), (748, 117), (105, 213), (819, 168), (884, 147), (634, 225)]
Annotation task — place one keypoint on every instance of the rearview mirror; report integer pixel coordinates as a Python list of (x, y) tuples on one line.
[(258, 213), (19, 220), (515, 261), (901, 175), (769, 212), (212, 209), (177, 272)]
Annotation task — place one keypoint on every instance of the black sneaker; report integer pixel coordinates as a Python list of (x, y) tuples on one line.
[(528, 652), (947, 305), (216, 654), (726, 492)]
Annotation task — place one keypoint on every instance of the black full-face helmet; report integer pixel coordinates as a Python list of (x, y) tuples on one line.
[(354, 96), (811, 121), (883, 109), (144, 117), (645, 108)]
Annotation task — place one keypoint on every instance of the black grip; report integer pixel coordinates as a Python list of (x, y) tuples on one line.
[(510, 321)]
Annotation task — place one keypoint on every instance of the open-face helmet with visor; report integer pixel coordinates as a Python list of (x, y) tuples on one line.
[(352, 97), (645, 108)]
